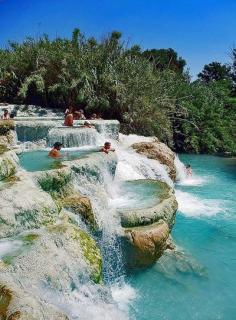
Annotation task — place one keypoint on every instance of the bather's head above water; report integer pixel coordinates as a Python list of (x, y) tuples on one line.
[(55, 152)]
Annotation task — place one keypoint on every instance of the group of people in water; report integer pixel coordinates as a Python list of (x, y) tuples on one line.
[(71, 114), (55, 152)]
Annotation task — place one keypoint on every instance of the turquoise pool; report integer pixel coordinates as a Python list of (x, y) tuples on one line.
[(39, 160), (198, 282), (137, 194)]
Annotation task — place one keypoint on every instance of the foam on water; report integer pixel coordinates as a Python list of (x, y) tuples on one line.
[(192, 206), (183, 179), (9, 246), (123, 295), (128, 140)]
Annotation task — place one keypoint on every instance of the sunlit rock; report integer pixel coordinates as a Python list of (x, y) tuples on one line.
[(147, 230), (158, 151), (24, 206)]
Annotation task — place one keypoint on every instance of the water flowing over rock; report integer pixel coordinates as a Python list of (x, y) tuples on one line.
[(158, 151), (55, 259), (24, 206), (73, 137), (70, 231), (35, 129)]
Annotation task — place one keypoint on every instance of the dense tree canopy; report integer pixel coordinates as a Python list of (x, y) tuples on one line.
[(165, 59), (215, 71), (148, 91)]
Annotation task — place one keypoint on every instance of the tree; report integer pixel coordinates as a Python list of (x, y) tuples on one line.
[(215, 71), (165, 59)]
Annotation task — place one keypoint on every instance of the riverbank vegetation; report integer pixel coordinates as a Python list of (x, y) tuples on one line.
[(149, 92)]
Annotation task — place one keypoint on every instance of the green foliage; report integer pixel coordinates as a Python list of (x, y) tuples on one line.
[(215, 71), (165, 59), (209, 126), (148, 92)]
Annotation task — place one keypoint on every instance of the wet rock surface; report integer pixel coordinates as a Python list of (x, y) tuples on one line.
[(158, 151)]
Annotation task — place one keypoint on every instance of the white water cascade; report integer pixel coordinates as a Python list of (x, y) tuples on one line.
[(102, 183), (73, 136)]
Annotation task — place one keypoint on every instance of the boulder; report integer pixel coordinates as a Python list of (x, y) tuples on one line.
[(147, 230), (158, 151), (144, 245), (165, 209)]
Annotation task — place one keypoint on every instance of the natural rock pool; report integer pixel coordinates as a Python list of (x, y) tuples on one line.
[(75, 232), (198, 281), (39, 160)]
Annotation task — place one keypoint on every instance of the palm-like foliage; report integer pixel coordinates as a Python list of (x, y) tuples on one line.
[(120, 82)]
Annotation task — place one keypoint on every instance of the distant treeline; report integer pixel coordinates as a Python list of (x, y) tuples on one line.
[(150, 91)]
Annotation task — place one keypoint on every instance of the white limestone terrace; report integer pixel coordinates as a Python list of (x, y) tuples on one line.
[(34, 122), (37, 128)]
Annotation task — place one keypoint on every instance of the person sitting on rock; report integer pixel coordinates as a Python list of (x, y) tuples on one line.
[(107, 147), (55, 152), (69, 119), (6, 115), (189, 171)]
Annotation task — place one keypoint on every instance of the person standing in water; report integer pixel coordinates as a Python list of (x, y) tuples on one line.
[(189, 170), (69, 118), (107, 147), (55, 152)]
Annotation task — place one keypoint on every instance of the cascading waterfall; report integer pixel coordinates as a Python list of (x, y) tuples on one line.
[(73, 137), (90, 301), (100, 190)]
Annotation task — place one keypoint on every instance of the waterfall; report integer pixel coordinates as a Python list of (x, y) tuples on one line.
[(33, 130), (101, 189), (180, 169), (73, 136)]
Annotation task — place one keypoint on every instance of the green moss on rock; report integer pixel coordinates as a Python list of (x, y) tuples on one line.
[(92, 255), (7, 168), (6, 126), (3, 149), (57, 183), (80, 205)]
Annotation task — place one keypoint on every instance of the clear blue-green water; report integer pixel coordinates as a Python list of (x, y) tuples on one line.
[(198, 282), (137, 194), (40, 161)]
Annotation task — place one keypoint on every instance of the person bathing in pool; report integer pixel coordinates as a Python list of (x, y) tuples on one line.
[(107, 147), (55, 152)]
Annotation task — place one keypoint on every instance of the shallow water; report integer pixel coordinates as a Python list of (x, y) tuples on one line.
[(39, 160), (198, 281), (138, 194)]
